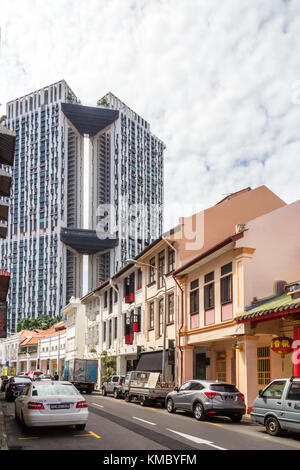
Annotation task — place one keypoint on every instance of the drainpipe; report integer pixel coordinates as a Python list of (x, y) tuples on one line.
[(118, 339), (113, 286), (181, 326), (181, 296)]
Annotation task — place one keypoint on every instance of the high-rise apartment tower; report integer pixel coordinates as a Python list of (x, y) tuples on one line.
[(120, 191)]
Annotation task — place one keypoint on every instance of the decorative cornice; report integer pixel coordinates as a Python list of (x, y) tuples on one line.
[(243, 250), (208, 328)]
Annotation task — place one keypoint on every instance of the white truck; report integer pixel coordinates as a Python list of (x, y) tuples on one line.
[(146, 387)]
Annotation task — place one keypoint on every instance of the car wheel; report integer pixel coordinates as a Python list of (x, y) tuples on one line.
[(104, 392), (16, 415), (272, 426), (80, 427), (170, 406), (236, 418), (23, 424), (127, 398), (143, 401), (198, 412)]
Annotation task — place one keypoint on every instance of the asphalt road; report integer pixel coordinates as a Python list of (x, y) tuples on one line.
[(117, 425)]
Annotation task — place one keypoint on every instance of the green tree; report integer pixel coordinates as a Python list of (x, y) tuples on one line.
[(72, 98), (102, 102), (109, 364), (43, 322)]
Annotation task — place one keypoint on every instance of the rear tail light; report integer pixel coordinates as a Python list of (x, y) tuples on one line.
[(81, 404), (11, 387), (212, 395), (241, 395), (120, 383), (250, 410), (35, 406)]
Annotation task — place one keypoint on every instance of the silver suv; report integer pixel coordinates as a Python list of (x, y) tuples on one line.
[(113, 386), (207, 398)]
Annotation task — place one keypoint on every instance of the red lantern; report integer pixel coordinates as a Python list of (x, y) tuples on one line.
[(282, 345)]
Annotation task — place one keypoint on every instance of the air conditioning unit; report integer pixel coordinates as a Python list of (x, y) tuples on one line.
[(240, 228)]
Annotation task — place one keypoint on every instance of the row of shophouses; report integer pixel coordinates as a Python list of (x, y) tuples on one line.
[(220, 291)]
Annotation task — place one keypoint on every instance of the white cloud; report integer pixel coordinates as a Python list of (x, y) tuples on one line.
[(214, 79)]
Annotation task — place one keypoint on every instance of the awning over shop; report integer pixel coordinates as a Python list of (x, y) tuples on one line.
[(278, 307), (151, 361)]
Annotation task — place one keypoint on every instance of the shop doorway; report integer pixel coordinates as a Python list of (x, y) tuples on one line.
[(200, 366)]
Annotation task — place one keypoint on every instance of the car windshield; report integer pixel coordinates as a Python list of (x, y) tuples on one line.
[(22, 380), (54, 389), (224, 388)]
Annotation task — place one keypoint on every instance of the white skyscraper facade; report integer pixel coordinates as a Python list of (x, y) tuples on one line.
[(46, 237)]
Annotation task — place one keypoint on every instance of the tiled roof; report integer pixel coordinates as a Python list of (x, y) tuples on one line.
[(279, 304), (30, 340)]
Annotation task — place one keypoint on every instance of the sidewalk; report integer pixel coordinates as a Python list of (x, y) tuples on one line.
[(3, 436)]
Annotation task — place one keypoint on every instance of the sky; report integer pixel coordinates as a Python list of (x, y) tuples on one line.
[(219, 82)]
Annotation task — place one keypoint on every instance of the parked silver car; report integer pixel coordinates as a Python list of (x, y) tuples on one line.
[(207, 398), (113, 386)]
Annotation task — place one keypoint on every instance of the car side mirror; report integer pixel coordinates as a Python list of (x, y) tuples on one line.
[(176, 389), (260, 392)]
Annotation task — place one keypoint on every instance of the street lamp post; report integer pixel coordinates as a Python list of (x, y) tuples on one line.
[(163, 368)]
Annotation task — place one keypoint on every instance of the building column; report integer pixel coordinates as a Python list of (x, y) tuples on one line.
[(246, 360), (296, 353), (119, 365), (187, 363)]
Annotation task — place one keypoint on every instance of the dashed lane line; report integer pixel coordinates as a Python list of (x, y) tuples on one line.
[(96, 404), (144, 421), (161, 439), (197, 440)]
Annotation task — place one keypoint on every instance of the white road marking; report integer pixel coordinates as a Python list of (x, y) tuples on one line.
[(197, 439), (96, 404), (144, 421)]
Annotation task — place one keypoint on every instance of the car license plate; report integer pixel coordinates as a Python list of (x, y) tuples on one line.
[(60, 406), (228, 397)]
